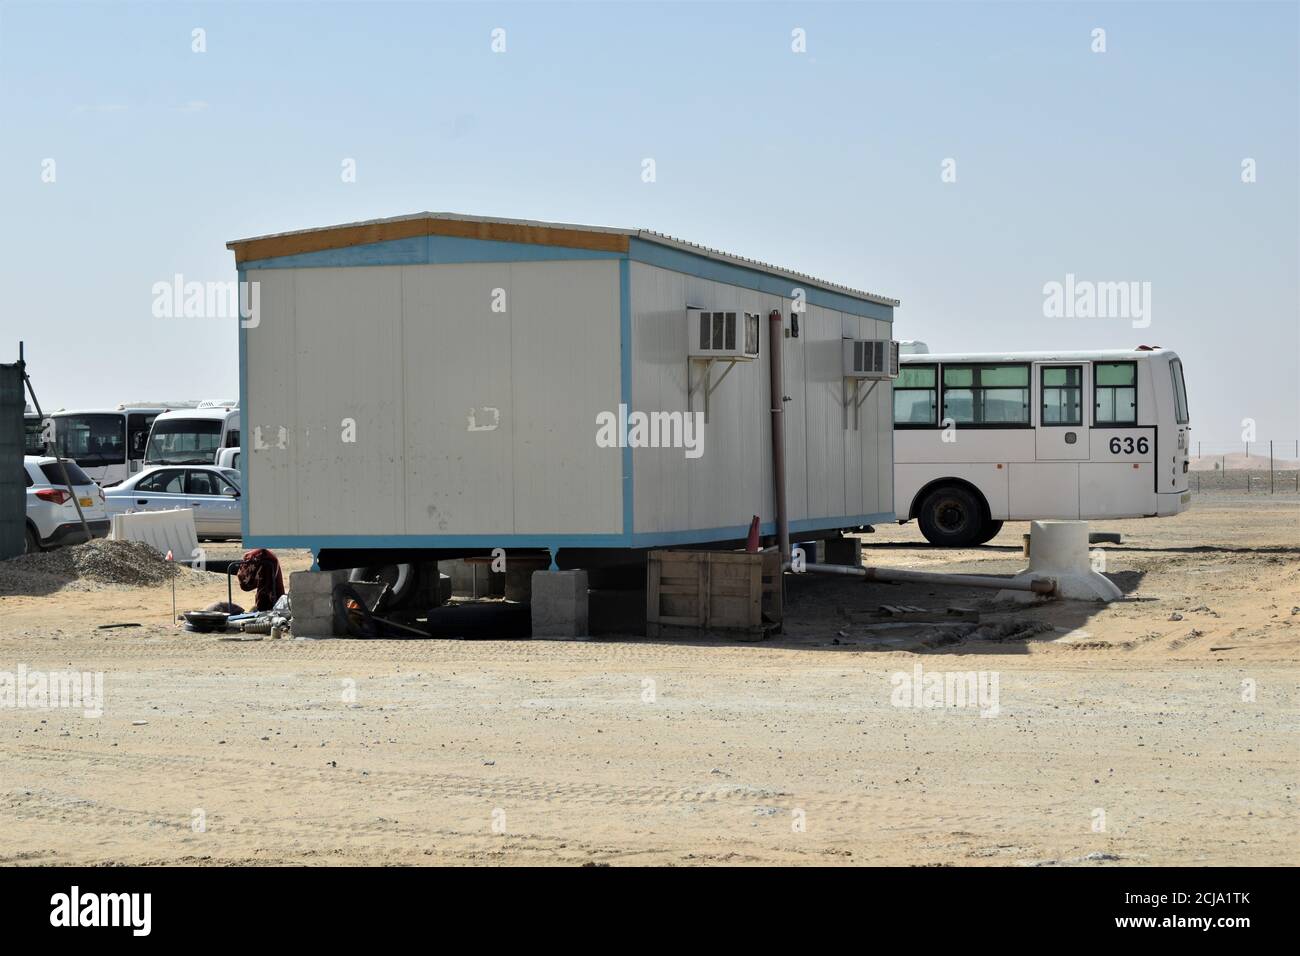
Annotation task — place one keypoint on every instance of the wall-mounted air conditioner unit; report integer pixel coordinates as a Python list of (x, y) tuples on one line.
[(871, 359), (728, 334)]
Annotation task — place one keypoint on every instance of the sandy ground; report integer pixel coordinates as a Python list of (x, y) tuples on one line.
[(1122, 736)]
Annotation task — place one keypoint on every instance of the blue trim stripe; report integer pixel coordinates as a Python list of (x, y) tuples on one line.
[(420, 250), (680, 260)]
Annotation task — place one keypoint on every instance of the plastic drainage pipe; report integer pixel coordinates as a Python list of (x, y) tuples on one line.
[(1036, 585), (776, 332)]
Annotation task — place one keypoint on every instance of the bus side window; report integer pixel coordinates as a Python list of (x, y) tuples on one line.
[(1115, 393), (916, 395), (1062, 398), (996, 395)]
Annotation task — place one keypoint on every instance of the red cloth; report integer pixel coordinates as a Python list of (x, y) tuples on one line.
[(260, 570)]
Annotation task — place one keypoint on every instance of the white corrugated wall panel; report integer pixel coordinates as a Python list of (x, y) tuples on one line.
[(565, 371), (456, 363), (271, 403), (410, 353)]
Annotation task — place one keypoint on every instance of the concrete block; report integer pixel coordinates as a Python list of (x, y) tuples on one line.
[(559, 604), (846, 551), (312, 595)]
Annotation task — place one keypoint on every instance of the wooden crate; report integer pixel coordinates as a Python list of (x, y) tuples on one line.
[(713, 590)]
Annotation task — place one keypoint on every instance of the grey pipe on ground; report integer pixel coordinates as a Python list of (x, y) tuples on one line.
[(1036, 585)]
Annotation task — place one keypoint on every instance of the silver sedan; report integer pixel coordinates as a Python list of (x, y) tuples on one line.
[(212, 492)]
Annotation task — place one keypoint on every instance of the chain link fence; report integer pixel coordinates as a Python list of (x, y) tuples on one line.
[(1270, 467)]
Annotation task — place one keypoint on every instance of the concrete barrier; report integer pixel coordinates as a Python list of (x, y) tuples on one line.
[(171, 530)]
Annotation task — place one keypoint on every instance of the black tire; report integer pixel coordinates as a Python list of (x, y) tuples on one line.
[(33, 542), (952, 517), (990, 531)]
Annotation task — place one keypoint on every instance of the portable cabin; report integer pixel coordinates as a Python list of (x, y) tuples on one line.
[(447, 383)]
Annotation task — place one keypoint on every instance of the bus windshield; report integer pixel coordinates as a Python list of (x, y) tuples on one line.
[(92, 440), (184, 441)]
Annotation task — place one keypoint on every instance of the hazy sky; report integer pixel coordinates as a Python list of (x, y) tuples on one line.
[(1123, 165)]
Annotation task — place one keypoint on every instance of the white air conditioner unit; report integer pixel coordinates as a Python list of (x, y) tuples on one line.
[(873, 359), (728, 334)]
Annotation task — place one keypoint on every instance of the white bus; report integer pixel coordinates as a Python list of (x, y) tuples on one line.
[(193, 436), (981, 439), (107, 443), (33, 433)]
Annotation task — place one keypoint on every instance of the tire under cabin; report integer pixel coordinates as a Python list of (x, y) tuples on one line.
[(436, 387)]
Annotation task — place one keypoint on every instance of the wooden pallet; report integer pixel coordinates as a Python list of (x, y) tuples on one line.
[(700, 591)]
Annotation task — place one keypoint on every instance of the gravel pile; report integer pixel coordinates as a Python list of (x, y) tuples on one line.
[(130, 563)]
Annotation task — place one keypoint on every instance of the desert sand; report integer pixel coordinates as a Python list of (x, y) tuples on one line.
[(1158, 730)]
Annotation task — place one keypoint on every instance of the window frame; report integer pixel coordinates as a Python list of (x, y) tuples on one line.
[(1137, 404), (159, 474), (1043, 387), (1180, 392), (1029, 387), (935, 417)]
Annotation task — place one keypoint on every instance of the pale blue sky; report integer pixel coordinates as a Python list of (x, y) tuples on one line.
[(1116, 166)]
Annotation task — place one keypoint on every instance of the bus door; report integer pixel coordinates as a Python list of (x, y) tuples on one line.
[(1063, 401)]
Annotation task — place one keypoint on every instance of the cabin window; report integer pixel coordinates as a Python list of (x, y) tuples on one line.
[(916, 395), (1062, 395), (996, 395), (1115, 393)]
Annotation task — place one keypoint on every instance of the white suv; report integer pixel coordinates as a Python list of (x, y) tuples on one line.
[(51, 512)]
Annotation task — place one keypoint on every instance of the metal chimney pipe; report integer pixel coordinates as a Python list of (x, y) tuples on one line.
[(776, 328)]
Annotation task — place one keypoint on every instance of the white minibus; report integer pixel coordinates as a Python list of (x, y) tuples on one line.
[(984, 438)]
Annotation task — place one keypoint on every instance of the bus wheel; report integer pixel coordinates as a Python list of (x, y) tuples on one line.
[(989, 532), (951, 517)]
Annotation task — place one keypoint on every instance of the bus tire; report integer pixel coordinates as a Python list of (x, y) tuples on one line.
[(989, 532), (952, 517)]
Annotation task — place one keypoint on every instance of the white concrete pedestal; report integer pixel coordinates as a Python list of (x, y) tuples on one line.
[(1059, 550)]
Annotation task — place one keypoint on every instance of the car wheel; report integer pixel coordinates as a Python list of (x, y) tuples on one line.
[(952, 517), (33, 542)]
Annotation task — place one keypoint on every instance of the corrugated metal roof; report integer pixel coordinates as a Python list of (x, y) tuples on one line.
[(645, 235)]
